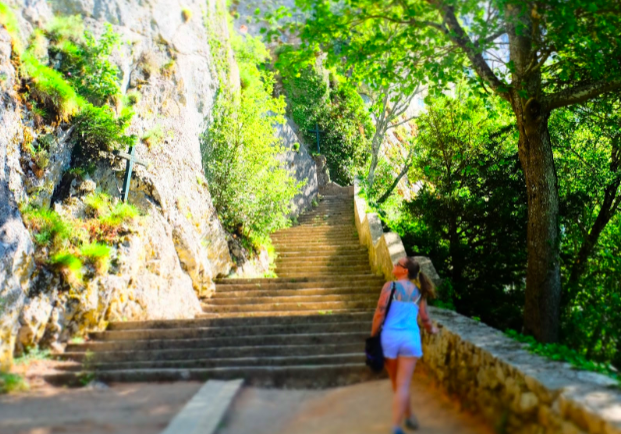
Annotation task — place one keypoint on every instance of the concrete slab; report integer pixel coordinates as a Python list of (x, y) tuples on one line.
[(202, 415)]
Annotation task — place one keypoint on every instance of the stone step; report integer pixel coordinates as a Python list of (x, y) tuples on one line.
[(310, 229), (299, 376), (241, 322), (217, 301), (312, 250), (215, 352), (319, 257), (371, 289), (325, 274), (284, 313), (289, 307), (325, 262), (319, 237), (371, 284), (311, 264), (319, 359), (314, 269), (213, 332), (226, 341), (313, 279)]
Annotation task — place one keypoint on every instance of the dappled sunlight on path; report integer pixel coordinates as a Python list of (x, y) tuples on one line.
[(361, 409), (121, 409)]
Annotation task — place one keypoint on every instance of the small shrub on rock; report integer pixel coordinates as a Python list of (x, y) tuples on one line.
[(98, 129)]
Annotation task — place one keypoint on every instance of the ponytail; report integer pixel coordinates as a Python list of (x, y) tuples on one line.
[(427, 288), (420, 279)]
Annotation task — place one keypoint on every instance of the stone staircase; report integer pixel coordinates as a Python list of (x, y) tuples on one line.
[(305, 328)]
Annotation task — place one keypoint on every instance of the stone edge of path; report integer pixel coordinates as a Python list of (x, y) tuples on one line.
[(385, 248), (204, 412), (516, 391)]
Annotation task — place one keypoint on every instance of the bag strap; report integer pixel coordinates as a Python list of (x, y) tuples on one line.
[(392, 294)]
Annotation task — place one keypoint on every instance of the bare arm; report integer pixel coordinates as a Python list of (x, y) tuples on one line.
[(380, 311), (424, 317)]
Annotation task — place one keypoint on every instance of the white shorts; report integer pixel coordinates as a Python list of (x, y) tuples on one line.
[(404, 343)]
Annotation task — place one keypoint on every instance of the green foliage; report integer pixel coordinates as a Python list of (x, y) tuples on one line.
[(134, 97), (251, 188), (98, 129), (338, 110), (49, 87), (68, 261), (95, 251), (12, 383), (66, 28), (87, 64), (469, 215), (119, 214), (32, 355), (562, 353), (71, 243), (84, 82), (47, 226), (8, 20), (587, 141), (153, 137)]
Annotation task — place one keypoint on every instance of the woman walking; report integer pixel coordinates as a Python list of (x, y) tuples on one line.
[(400, 337)]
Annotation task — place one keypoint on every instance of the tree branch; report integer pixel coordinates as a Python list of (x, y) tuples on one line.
[(579, 94), (459, 37)]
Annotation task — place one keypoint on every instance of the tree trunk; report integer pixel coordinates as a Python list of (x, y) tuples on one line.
[(405, 169), (376, 144), (606, 212), (543, 277)]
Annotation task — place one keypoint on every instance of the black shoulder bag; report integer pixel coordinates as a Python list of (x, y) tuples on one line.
[(373, 347)]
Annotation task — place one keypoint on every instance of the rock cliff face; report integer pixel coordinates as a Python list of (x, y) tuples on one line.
[(178, 248)]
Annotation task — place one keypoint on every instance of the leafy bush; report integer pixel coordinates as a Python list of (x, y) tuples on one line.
[(12, 383), (87, 63), (251, 188), (339, 112), (564, 354), (98, 129), (469, 215)]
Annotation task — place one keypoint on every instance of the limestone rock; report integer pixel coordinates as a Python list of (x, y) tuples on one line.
[(16, 247)]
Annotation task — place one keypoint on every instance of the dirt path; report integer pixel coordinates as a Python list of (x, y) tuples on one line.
[(121, 409), (359, 409)]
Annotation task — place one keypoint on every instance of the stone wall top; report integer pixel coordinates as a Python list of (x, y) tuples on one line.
[(385, 249), (517, 391)]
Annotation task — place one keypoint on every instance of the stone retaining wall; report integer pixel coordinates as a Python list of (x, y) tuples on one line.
[(516, 391), (385, 249)]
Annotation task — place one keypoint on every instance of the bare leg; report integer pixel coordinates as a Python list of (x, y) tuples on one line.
[(401, 400), (391, 368)]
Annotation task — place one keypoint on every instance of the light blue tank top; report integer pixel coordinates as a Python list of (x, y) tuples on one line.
[(403, 311)]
